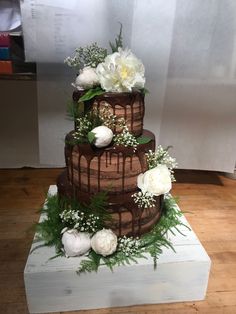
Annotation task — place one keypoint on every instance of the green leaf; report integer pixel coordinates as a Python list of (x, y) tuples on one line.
[(118, 41), (74, 110), (143, 139), (92, 92), (91, 137), (144, 91)]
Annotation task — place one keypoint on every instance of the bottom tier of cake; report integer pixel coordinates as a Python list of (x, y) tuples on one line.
[(127, 218)]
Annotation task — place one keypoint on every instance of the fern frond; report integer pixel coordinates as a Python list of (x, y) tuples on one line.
[(118, 41)]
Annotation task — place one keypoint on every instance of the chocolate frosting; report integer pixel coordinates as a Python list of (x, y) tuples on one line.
[(113, 154), (130, 106), (113, 169), (127, 218)]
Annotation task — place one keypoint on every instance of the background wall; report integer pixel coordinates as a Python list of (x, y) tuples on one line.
[(188, 48), (19, 142)]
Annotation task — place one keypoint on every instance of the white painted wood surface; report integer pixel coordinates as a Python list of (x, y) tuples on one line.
[(53, 285)]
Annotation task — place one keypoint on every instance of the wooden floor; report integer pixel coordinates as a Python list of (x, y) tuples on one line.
[(209, 203)]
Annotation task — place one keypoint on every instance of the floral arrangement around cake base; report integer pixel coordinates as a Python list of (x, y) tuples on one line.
[(79, 229)]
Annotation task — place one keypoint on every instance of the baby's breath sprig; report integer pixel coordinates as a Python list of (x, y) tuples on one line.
[(78, 220), (126, 138), (90, 55), (84, 125), (108, 118), (129, 245), (144, 200), (161, 156)]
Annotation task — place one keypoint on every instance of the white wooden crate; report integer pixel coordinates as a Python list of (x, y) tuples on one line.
[(53, 285)]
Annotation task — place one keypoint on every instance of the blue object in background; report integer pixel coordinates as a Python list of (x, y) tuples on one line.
[(4, 53)]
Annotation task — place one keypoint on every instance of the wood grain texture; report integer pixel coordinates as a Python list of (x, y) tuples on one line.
[(207, 198)]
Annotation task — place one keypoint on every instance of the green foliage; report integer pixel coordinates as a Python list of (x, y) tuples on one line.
[(49, 230), (143, 139), (94, 118), (75, 141), (144, 91), (74, 110), (98, 204), (151, 243), (91, 137), (94, 260), (84, 126), (118, 41), (161, 156), (91, 93), (154, 241)]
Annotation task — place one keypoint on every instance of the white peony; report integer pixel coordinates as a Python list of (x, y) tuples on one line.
[(76, 243), (104, 242), (156, 181), (86, 79), (120, 72), (103, 136)]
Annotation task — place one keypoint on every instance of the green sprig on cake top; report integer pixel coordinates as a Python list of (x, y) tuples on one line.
[(120, 71)]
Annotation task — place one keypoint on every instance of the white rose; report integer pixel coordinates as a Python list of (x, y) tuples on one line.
[(120, 72), (86, 79), (103, 136), (76, 243), (104, 242), (156, 181)]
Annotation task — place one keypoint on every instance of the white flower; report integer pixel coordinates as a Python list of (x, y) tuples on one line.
[(76, 243), (103, 136), (156, 181), (86, 79), (121, 71), (104, 242)]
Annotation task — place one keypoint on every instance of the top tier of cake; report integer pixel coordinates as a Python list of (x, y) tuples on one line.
[(129, 106)]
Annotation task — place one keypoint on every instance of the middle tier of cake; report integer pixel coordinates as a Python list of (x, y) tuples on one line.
[(126, 217), (113, 169)]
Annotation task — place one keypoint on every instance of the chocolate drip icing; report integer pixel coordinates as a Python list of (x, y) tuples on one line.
[(99, 171), (108, 158), (113, 169), (130, 106), (79, 169), (123, 173), (127, 218)]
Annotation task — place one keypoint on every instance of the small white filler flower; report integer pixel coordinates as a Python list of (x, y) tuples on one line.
[(86, 79), (103, 136), (156, 181), (104, 242), (76, 243)]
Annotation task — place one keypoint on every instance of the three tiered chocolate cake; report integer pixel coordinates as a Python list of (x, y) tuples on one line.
[(114, 168)]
